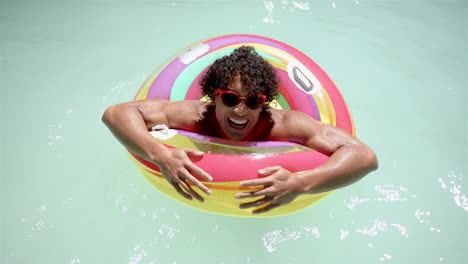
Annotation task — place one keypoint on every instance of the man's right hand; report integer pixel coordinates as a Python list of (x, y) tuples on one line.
[(177, 167)]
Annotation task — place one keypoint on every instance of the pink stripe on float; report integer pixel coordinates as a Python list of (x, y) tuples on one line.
[(247, 166)]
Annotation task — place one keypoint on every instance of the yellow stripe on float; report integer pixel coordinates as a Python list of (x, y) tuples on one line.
[(325, 107)]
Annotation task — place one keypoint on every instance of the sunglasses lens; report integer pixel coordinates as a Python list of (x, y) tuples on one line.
[(230, 99), (254, 101)]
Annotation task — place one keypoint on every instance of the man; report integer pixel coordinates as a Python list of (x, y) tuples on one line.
[(240, 86)]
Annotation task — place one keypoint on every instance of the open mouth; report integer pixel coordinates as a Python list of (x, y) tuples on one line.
[(238, 124)]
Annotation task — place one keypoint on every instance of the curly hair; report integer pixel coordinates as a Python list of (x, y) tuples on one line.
[(257, 75)]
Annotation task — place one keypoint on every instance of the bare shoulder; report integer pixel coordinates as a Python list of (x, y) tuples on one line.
[(183, 114), (179, 114), (293, 126), (300, 128)]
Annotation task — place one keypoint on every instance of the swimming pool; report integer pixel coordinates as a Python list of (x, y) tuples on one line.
[(71, 195)]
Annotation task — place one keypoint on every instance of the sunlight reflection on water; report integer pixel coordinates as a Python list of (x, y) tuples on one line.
[(453, 183)]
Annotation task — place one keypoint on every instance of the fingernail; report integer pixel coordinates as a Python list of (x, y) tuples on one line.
[(261, 171)]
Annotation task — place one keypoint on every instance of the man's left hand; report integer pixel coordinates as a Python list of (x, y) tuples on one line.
[(280, 187)]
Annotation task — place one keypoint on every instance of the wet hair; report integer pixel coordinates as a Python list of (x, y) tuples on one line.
[(257, 75)]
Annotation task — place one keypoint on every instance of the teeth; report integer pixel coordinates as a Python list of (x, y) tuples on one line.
[(238, 122)]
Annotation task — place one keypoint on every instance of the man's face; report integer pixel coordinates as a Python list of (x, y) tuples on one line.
[(238, 121)]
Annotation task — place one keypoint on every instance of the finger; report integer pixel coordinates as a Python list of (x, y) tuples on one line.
[(180, 191), (193, 153), (197, 196), (199, 172), (246, 195), (269, 170), (183, 184), (265, 209), (252, 194), (189, 177), (194, 193), (254, 182), (256, 203)]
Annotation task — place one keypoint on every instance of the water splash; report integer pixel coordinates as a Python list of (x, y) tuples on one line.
[(74, 261), (373, 230), (168, 231), (139, 255), (355, 201), (123, 89), (124, 197), (379, 226), (343, 234), (385, 257), (269, 7), (387, 193), (272, 239), (38, 222), (422, 217), (300, 5), (403, 230), (55, 130), (144, 252), (290, 6), (312, 231), (453, 184)]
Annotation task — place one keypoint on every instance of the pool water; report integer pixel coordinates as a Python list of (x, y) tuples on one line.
[(70, 194)]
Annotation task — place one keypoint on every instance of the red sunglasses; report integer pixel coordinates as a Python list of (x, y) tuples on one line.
[(232, 98)]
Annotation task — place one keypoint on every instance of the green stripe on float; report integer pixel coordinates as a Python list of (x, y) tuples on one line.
[(282, 101), (188, 75)]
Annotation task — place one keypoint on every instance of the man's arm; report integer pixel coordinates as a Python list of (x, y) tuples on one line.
[(350, 160), (130, 122)]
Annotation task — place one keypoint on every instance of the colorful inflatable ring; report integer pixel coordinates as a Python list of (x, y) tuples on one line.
[(304, 87)]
